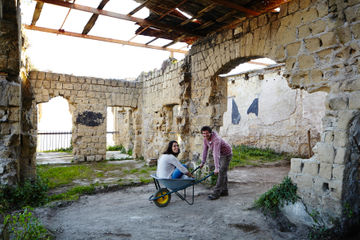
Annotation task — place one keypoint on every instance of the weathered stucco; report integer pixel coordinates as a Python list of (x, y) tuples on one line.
[(281, 118)]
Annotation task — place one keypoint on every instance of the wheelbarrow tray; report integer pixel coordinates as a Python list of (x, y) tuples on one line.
[(162, 197), (175, 184)]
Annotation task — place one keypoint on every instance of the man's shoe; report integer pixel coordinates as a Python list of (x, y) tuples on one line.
[(224, 193), (213, 197)]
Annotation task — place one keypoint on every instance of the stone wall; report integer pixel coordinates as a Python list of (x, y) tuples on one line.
[(264, 112), (10, 85), (162, 114), (88, 100), (319, 43), (317, 40)]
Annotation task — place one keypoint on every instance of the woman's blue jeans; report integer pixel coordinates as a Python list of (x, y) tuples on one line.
[(177, 173)]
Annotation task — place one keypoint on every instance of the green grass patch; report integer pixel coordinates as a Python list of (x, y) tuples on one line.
[(277, 196), (245, 155), (74, 193), (67, 150), (64, 175)]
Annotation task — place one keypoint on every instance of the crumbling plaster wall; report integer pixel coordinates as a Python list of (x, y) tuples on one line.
[(319, 43), (88, 99), (263, 111)]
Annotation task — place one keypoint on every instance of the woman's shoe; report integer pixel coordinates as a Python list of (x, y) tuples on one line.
[(213, 197)]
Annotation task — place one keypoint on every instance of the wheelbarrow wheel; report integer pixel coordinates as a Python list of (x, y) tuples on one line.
[(163, 201)]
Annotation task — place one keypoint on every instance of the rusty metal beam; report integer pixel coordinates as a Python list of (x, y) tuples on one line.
[(72, 34), (140, 21), (237, 7), (90, 24), (37, 12)]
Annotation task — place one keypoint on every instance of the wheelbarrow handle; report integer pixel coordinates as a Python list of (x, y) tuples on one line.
[(195, 169)]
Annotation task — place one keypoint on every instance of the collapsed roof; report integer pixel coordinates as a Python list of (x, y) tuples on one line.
[(175, 20)]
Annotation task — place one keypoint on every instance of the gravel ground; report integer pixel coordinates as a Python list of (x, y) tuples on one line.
[(128, 214)]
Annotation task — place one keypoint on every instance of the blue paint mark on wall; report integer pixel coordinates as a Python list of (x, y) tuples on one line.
[(254, 107), (235, 115)]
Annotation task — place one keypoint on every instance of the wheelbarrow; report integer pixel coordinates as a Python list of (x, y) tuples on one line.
[(162, 196)]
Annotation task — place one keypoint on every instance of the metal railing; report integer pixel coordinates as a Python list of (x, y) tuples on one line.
[(52, 140)]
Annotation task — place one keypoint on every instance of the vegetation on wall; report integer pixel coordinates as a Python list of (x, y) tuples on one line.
[(30, 193), (277, 196)]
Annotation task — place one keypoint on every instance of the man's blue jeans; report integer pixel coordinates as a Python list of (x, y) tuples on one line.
[(177, 173)]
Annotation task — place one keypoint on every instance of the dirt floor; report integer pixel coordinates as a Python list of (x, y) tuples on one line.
[(128, 214)]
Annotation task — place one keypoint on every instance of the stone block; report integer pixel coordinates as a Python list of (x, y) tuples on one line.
[(338, 102), (325, 152), (312, 44), (352, 14), (340, 138), (41, 76), (318, 26), (328, 39), (306, 62), (344, 34), (68, 86), (344, 119), (336, 189), (325, 170), (341, 156), (310, 15), (338, 172), (355, 29), (304, 4), (354, 100), (310, 167), (90, 158), (296, 165), (33, 75), (293, 6), (293, 49)]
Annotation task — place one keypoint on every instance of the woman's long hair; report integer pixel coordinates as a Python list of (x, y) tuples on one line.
[(169, 149)]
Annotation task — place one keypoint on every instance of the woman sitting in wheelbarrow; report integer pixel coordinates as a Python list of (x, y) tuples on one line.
[(169, 166)]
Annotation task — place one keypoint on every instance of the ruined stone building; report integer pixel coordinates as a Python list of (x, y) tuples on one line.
[(316, 43)]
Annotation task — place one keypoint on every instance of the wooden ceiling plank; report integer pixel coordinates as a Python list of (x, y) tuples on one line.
[(119, 16), (237, 7), (161, 17), (90, 24), (73, 34), (37, 12), (152, 40), (138, 8), (199, 14)]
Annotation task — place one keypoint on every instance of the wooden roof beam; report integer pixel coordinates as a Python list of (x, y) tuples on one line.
[(138, 8), (237, 7), (159, 18), (37, 12), (199, 14), (72, 34), (90, 24), (140, 21)]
